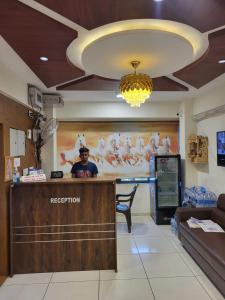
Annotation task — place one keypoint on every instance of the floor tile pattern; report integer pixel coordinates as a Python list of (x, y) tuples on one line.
[(152, 265)]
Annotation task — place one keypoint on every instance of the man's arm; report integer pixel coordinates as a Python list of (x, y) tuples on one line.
[(95, 171)]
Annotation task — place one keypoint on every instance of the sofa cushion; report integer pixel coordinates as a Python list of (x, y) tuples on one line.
[(210, 245), (218, 216), (221, 202)]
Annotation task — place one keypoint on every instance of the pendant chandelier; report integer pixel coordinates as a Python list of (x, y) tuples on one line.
[(135, 88)]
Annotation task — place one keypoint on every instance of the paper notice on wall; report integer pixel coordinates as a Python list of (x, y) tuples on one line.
[(16, 162)]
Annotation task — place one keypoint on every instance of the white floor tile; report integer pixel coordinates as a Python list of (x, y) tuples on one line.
[(142, 219), (210, 288), (165, 265), (176, 243), (126, 245), (75, 276), (72, 291), (166, 230), (28, 278), (185, 288), (154, 245), (23, 292), (129, 266), (122, 229), (189, 261), (125, 290), (145, 229)]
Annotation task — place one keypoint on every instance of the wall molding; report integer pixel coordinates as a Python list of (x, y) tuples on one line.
[(219, 110)]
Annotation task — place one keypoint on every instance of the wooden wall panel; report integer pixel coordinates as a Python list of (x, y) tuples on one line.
[(14, 115), (202, 14)]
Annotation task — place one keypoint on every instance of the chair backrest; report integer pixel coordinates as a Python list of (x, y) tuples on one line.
[(133, 194)]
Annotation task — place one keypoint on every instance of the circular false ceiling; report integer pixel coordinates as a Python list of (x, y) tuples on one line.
[(162, 46), (158, 53)]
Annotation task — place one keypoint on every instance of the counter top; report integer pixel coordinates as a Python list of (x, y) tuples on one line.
[(73, 180)]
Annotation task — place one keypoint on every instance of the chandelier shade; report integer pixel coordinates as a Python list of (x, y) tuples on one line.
[(135, 88)]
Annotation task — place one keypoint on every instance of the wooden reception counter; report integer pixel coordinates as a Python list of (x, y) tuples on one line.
[(63, 225)]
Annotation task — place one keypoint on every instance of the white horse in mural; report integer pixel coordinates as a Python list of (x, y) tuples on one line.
[(138, 150), (165, 148), (97, 154), (69, 156), (113, 150), (153, 146), (126, 152)]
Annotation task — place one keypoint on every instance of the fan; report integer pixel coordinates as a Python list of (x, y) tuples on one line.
[(43, 130)]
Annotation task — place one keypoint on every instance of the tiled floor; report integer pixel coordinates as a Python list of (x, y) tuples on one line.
[(151, 265)]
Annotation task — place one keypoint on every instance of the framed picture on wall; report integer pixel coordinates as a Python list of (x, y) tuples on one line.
[(9, 165)]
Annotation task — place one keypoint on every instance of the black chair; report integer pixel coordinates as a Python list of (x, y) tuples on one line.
[(126, 208)]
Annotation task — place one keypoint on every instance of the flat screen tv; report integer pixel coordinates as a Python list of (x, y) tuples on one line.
[(221, 148)]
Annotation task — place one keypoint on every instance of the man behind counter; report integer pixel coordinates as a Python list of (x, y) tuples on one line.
[(84, 168)]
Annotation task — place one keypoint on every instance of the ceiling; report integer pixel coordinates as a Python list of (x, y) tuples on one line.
[(90, 43)]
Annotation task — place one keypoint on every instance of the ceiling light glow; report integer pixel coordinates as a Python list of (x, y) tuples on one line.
[(44, 58), (222, 61)]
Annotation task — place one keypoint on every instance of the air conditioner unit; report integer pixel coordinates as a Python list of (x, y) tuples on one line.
[(53, 99), (209, 113), (35, 97)]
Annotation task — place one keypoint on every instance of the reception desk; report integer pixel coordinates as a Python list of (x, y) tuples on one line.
[(63, 225)]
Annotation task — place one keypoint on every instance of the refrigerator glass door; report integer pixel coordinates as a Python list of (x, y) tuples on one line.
[(167, 174)]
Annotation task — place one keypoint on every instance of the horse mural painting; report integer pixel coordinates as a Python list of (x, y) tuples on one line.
[(70, 156), (97, 154), (152, 147), (113, 150), (138, 150)]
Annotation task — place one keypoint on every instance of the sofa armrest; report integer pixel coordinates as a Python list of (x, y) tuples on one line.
[(184, 213)]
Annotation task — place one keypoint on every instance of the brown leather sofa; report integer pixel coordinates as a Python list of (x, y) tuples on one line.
[(207, 248)]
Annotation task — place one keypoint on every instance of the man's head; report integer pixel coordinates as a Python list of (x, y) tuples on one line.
[(84, 153)]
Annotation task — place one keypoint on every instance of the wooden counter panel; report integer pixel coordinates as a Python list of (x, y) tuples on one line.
[(96, 204), (34, 238), (67, 256), (63, 227)]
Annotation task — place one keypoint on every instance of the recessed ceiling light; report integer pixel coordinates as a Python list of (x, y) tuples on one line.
[(43, 58), (158, 0), (222, 61)]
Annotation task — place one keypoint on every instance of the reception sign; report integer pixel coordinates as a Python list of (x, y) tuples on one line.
[(117, 148)]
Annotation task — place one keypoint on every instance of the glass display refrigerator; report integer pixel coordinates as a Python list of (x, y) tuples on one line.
[(165, 187)]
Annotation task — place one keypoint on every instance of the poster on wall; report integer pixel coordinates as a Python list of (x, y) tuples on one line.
[(117, 148), (9, 166)]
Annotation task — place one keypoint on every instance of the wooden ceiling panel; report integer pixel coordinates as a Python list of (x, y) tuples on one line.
[(32, 34), (201, 14), (207, 67), (97, 83)]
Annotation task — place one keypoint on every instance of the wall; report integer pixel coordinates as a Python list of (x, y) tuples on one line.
[(211, 175), (117, 111), (15, 74), (151, 111), (187, 127), (15, 115)]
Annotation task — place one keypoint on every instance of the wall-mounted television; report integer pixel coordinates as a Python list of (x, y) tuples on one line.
[(220, 148)]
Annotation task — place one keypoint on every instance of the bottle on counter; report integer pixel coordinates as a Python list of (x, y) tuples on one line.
[(16, 176)]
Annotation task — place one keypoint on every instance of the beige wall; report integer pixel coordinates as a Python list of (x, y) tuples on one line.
[(121, 111), (187, 127), (117, 111), (14, 74), (211, 175)]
